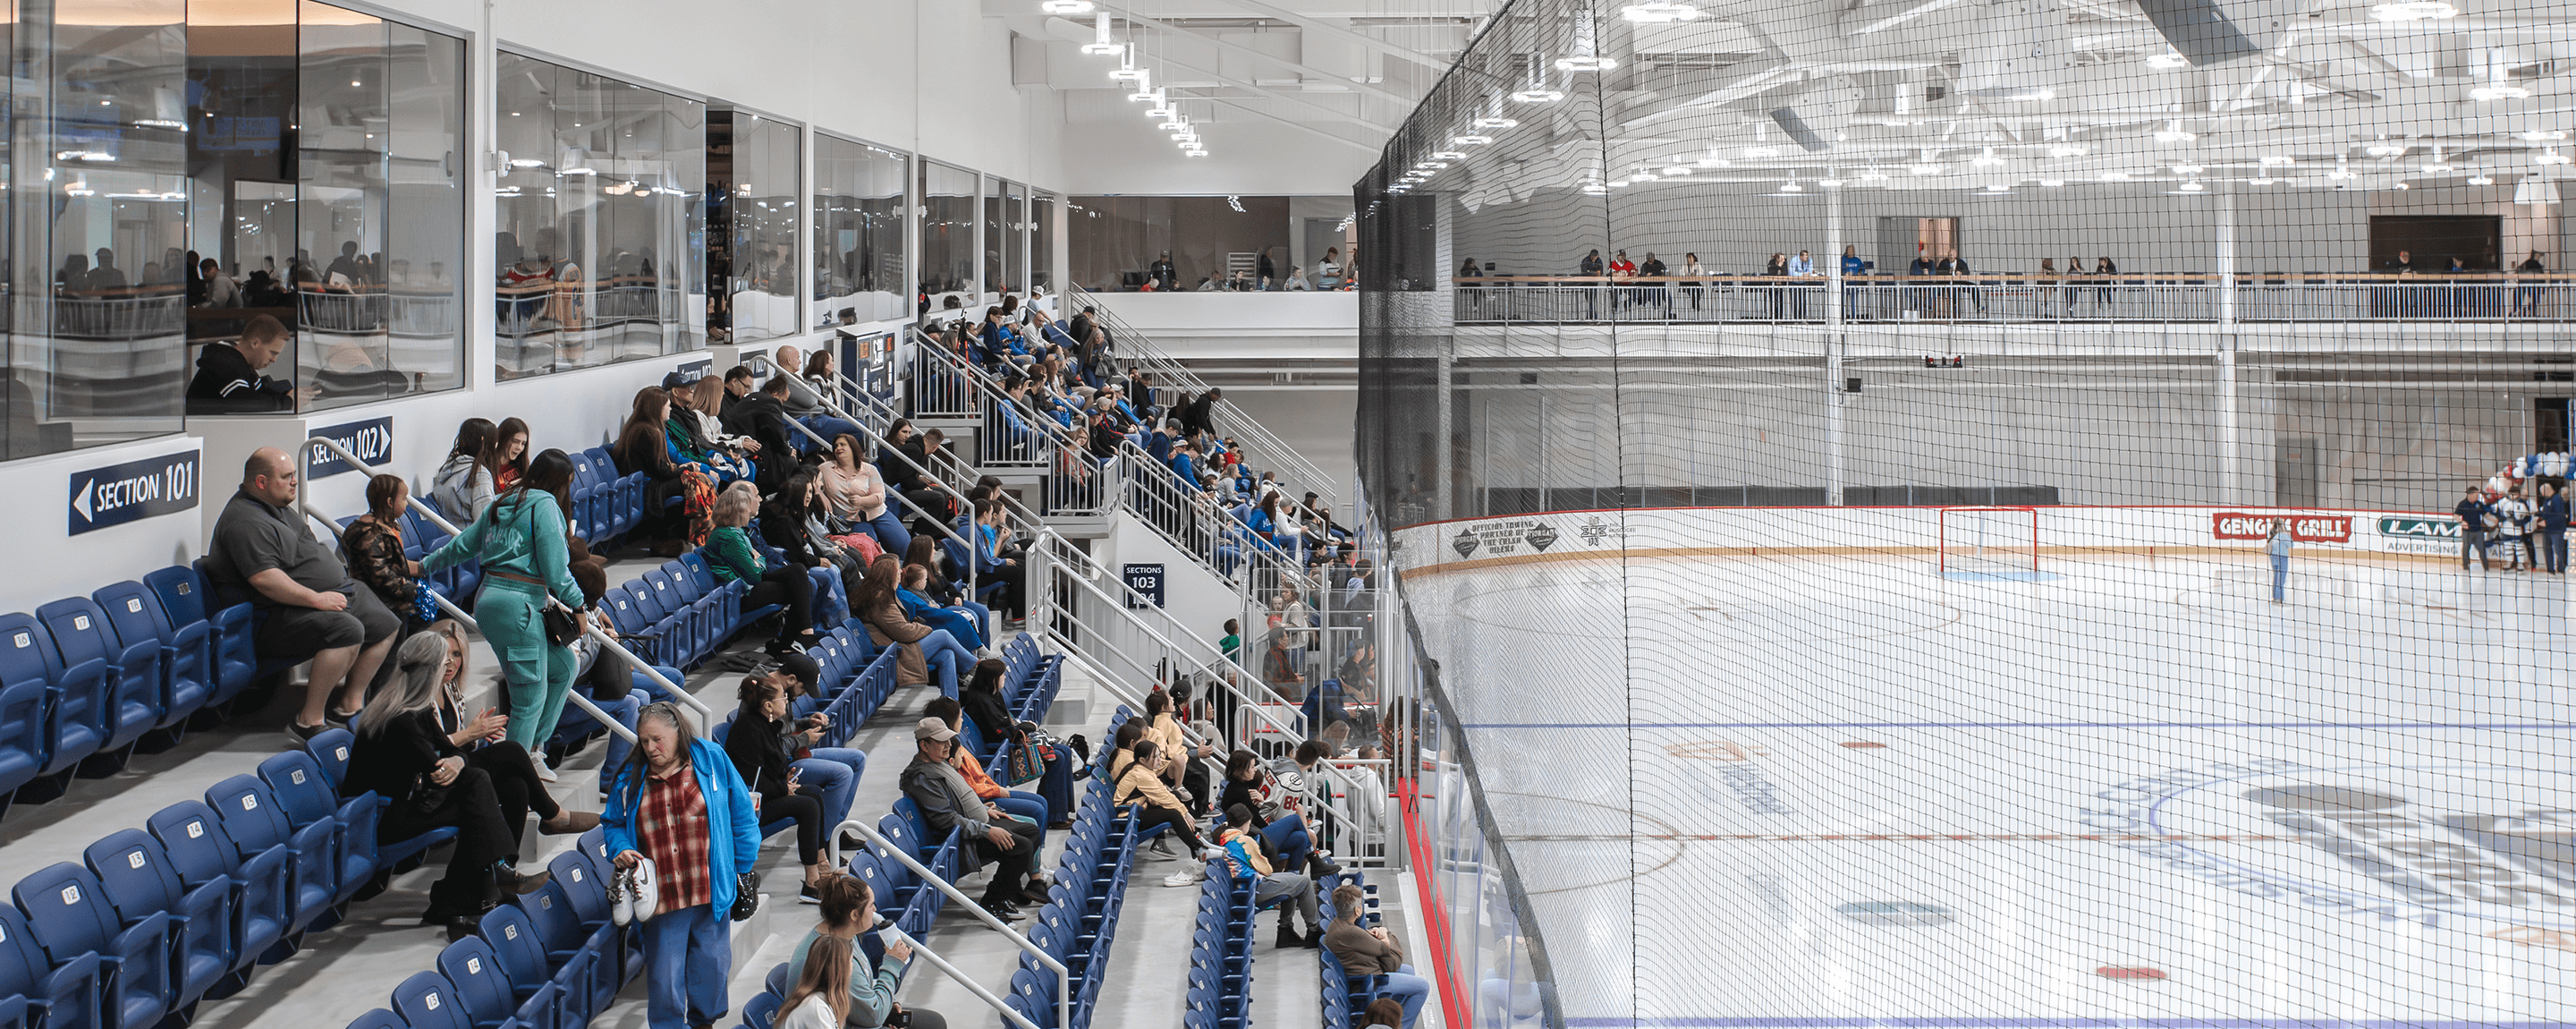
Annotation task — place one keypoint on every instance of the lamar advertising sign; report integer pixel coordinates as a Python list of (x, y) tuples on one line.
[(2305, 528), (2420, 534)]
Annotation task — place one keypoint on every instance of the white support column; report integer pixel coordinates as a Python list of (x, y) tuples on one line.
[(2227, 258), (2231, 435), (1445, 448), (1833, 256), (1835, 398), (482, 218)]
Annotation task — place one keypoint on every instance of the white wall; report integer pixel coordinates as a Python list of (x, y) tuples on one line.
[(1128, 155), (1274, 325), (50, 564)]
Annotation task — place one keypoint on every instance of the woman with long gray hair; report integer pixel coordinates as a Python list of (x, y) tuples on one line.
[(678, 805), (409, 750)]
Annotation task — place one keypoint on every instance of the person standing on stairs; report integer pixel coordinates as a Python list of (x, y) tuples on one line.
[(519, 541)]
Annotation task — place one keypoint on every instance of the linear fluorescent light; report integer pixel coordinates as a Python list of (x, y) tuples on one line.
[(1537, 96), (2499, 91), (2417, 10), (1496, 122), (1655, 12), (2168, 61), (1066, 7), (1470, 140), (1447, 155), (1585, 64)]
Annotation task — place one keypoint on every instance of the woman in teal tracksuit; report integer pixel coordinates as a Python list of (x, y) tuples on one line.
[(520, 542)]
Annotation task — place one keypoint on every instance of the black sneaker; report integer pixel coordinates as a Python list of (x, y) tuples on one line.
[(304, 734), (1001, 909), (1288, 937), (340, 719), (808, 896)]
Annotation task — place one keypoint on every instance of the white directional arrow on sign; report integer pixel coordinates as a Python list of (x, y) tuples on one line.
[(80, 500)]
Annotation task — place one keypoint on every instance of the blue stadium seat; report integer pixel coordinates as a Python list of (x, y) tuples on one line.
[(572, 949), (76, 708), (262, 888), (133, 687), (761, 1012), (378, 1019), (253, 819), (308, 797), (69, 914), (428, 1001), (482, 989), (24, 1000), (188, 602), (514, 942), (136, 876), (187, 663)]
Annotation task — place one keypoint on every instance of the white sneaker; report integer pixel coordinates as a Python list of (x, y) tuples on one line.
[(1186, 877), (646, 887), (545, 772), (621, 906)]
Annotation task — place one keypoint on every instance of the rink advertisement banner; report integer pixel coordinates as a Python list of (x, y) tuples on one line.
[(2304, 528), (1905, 532)]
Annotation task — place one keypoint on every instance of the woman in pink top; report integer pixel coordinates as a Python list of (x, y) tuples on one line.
[(858, 496)]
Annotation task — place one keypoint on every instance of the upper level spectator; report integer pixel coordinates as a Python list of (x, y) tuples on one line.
[(229, 379)]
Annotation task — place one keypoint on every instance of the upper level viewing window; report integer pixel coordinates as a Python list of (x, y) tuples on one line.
[(754, 168), (858, 233), (596, 250), (1209, 243), (325, 164)]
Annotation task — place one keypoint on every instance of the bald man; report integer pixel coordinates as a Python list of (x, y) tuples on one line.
[(264, 552)]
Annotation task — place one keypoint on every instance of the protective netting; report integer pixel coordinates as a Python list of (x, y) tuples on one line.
[(2233, 337)]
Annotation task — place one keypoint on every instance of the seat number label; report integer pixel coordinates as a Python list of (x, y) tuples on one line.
[(431, 999), (196, 829), (80, 623), (510, 931), (250, 802), (296, 777), (134, 859), (71, 894), (22, 640), (474, 966), (134, 605)]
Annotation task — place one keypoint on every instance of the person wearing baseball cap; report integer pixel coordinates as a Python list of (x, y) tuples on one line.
[(948, 804), (833, 770)]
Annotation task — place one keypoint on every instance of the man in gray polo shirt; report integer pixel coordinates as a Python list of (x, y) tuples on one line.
[(265, 553)]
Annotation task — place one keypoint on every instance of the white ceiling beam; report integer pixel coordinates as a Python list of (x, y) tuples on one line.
[(1070, 31), (1239, 49), (1342, 33)]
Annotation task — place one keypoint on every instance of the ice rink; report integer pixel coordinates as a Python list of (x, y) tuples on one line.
[(1849, 791)]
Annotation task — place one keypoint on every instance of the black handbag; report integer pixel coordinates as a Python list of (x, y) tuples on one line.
[(426, 796), (746, 896), (561, 627)]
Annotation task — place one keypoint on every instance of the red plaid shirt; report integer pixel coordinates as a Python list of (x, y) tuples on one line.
[(671, 822)]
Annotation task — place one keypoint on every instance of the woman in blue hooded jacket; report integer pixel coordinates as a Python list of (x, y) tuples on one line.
[(678, 801)]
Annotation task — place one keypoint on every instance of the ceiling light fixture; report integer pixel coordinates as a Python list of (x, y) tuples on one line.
[(1924, 169), (2543, 135), (2414, 10), (1829, 183), (2173, 133), (1470, 140), (2384, 148), (2276, 161), (2115, 176), (2549, 157), (2168, 61), (1758, 153), (2481, 180), (1495, 123), (2499, 91), (1102, 43), (2260, 181), (2066, 150), (1641, 175), (1986, 159), (1594, 189), (2193, 186), (2188, 169), (2052, 183), (2342, 172), (1677, 171), (1873, 175), (1448, 155), (1657, 12), (1538, 96), (1067, 7)]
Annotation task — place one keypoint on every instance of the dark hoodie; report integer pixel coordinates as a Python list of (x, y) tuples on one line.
[(227, 384)]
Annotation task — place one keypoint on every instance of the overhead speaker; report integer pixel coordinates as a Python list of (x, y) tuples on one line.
[(1796, 127), (2199, 30)]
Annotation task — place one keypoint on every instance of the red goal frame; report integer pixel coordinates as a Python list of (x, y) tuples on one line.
[(2029, 513)]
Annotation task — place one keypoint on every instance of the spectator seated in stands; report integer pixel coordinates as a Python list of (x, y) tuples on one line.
[(856, 497), (763, 417), (833, 770), (1248, 856), (463, 485), (1384, 1011), (682, 435), (1163, 726), (229, 379), (999, 575), (1370, 951), (991, 837), (1021, 804), (374, 546), (805, 395), (762, 745), (1251, 787), (792, 521), (1142, 784), (441, 769), (707, 400), (679, 500), (730, 557), (983, 702), (940, 587), (264, 552), (926, 650), (849, 908), (959, 623)]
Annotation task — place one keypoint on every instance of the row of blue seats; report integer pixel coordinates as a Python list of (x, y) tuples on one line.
[(1346, 996), (150, 924), (86, 681), (1220, 983), (552, 959), (1079, 923)]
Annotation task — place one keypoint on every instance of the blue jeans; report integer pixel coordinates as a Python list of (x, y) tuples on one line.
[(688, 955), (2553, 547), (1287, 835), (2280, 574), (1412, 989), (1024, 804), (1057, 785), (888, 529), (946, 657), (982, 615), (835, 775)]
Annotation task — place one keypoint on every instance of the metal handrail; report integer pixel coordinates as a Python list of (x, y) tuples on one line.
[(1063, 975), (1276, 452), (895, 497), (706, 715), (971, 985)]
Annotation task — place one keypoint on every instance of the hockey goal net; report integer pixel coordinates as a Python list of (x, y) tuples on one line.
[(1989, 539)]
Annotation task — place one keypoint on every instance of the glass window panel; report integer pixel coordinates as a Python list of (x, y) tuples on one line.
[(1015, 238), (1116, 242), (600, 219), (996, 226), (1042, 241), (336, 274), (858, 232), (767, 167), (99, 174), (947, 232), (425, 208)]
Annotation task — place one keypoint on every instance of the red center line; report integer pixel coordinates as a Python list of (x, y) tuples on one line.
[(1915, 837)]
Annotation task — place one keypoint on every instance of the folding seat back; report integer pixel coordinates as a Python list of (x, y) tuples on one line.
[(186, 598), (135, 616), (135, 875), (204, 854), (910, 812), (330, 751), (68, 911), (378, 1018), (428, 1001), (900, 836), (482, 990), (649, 601), (689, 587), (557, 922), (23, 970), (761, 1012), (583, 889), (696, 565), (257, 824), (130, 676), (26, 744), (665, 595), (865, 868), (308, 799), (514, 943)]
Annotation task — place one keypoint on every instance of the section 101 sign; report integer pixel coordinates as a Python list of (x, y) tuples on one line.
[(134, 490)]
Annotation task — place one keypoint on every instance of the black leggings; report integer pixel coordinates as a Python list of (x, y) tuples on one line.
[(789, 585), (515, 785), (806, 807), (1179, 821), (482, 837)]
